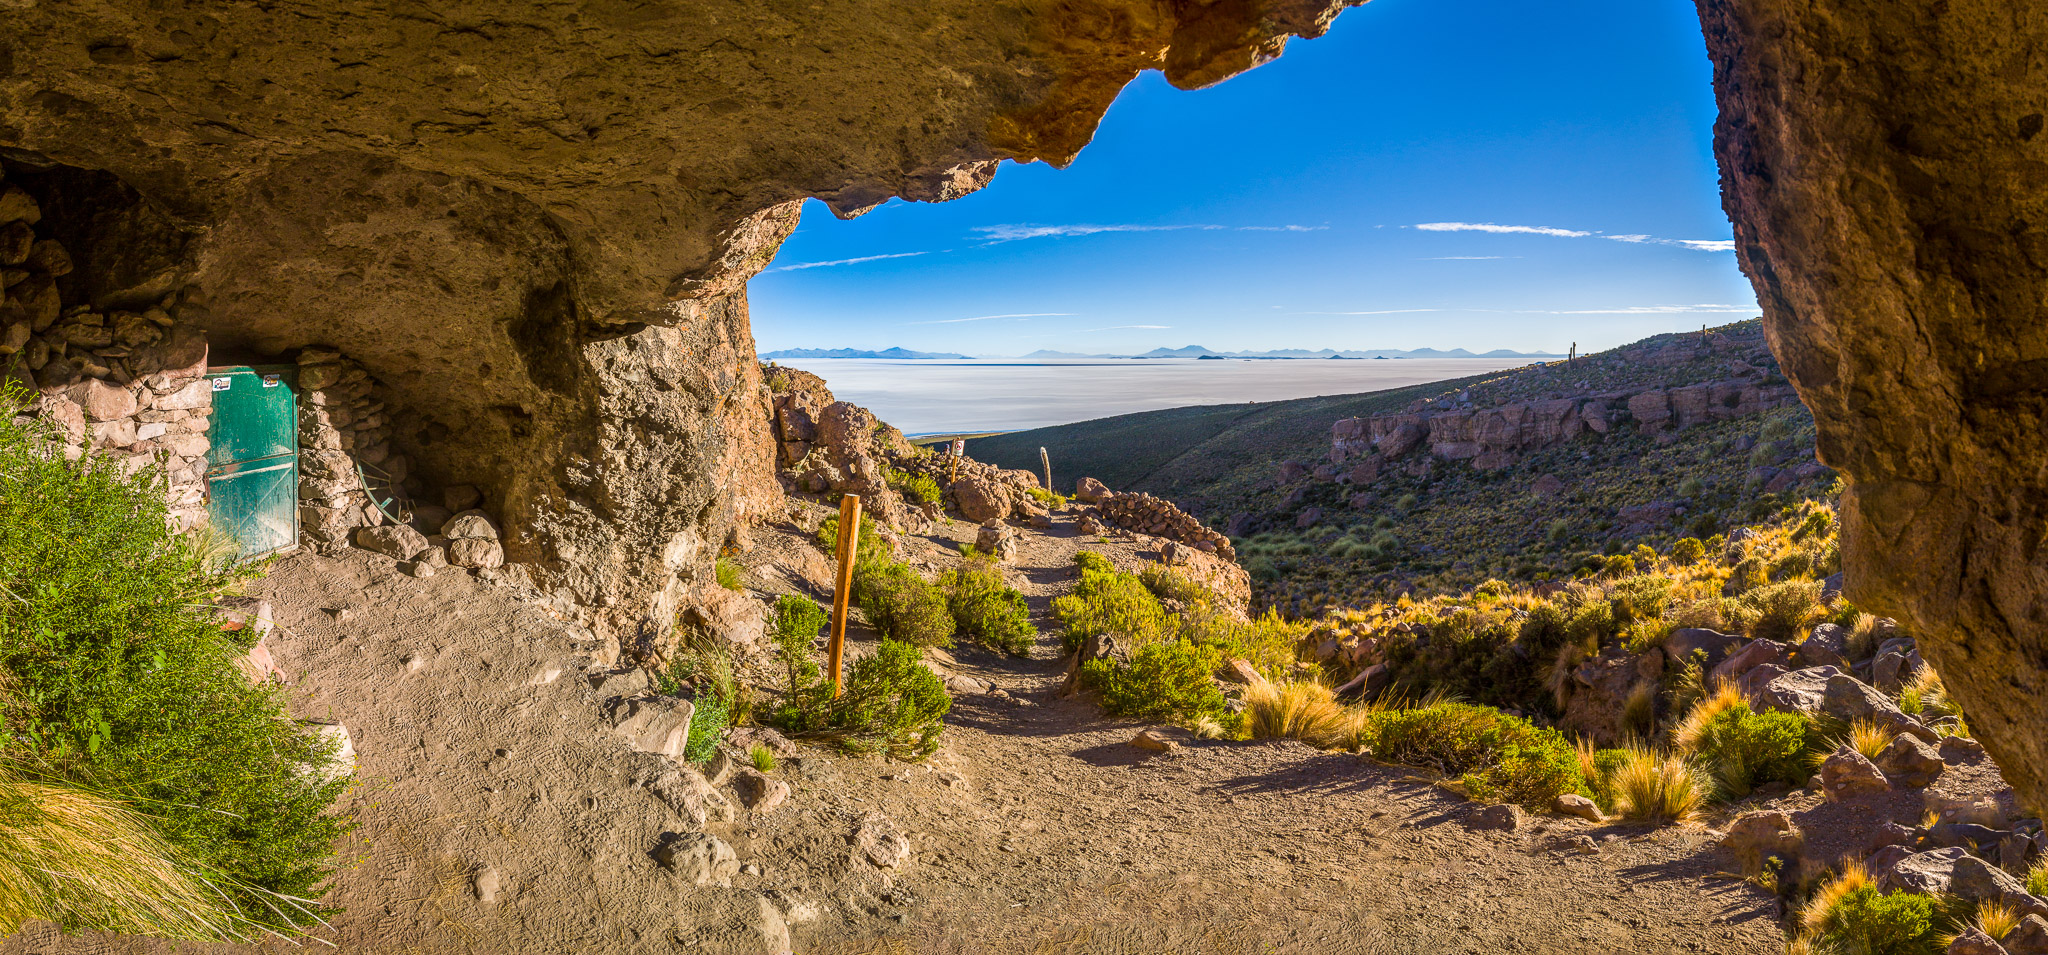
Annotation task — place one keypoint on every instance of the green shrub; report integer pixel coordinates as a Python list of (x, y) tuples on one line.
[(892, 703), (901, 605), (1742, 748), (988, 611), (707, 727), (1052, 500), (123, 680), (728, 574), (1169, 584), (1687, 551), (918, 488), (1868, 922), (1748, 575), (1492, 589), (1107, 602), (1791, 566), (1499, 756), (1645, 557), (1165, 680), (1605, 762), (1817, 524), (761, 757), (1619, 565), (1644, 597), (1780, 611)]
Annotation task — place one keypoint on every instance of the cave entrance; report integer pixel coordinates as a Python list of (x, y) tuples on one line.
[(252, 468)]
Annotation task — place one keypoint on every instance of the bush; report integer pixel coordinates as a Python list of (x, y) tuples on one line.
[(124, 681), (988, 611), (1165, 680), (1500, 756), (1687, 551), (1619, 565), (1169, 584), (1743, 748), (728, 574), (892, 702), (707, 726), (1781, 612), (901, 605), (1107, 602), (1849, 914), (1653, 788), (1748, 575), (1050, 499), (920, 488), (1644, 597)]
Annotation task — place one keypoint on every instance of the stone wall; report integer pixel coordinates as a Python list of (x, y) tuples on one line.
[(125, 383), (342, 439)]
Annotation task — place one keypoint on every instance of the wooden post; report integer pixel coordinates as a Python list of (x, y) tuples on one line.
[(959, 450), (1042, 459), (842, 595)]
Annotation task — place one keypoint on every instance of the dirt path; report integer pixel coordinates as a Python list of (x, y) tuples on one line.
[(498, 814)]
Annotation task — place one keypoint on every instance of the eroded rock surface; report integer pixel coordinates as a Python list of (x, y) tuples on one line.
[(535, 224), (1883, 164)]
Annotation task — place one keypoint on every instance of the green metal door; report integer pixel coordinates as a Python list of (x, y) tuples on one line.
[(252, 470)]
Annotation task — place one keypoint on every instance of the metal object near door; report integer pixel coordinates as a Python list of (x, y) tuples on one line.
[(252, 469)]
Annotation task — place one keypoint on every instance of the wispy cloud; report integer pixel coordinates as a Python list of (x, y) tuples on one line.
[(1015, 231), (793, 266), (1499, 229), (1697, 245), (1111, 328), (1710, 309), (1383, 311), (984, 318)]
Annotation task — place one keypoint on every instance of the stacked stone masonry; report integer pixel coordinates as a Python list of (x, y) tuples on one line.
[(1158, 517), (343, 441), (128, 384)]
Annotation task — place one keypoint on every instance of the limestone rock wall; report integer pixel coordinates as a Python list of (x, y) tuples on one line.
[(1885, 164)]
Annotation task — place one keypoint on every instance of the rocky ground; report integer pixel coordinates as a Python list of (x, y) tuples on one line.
[(498, 813)]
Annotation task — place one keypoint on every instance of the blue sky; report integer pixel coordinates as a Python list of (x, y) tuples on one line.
[(1442, 173)]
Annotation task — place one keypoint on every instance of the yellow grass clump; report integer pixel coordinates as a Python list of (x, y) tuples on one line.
[(1814, 917), (1657, 788), (1297, 709), (1690, 731), (1870, 737), (88, 863)]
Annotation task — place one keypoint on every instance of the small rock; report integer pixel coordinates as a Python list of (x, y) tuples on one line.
[(996, 538), (746, 737), (486, 885), (1092, 491), (1241, 671), (719, 769), (476, 553), (880, 842), (1153, 741), (700, 858), (1756, 836), (1506, 817), (1751, 655), (417, 568), (395, 541), (1972, 941), (1573, 804), (758, 792), (1847, 775), (653, 724)]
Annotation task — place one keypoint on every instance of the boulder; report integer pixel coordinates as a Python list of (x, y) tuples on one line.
[(1848, 699), (476, 553), (1890, 671), (979, 499), (1092, 491), (691, 796), (1972, 941), (758, 792), (730, 615), (1756, 836), (1954, 871), (1684, 642), (470, 525), (1827, 645), (2030, 937), (1800, 691), (878, 841), (1753, 654), (652, 723), (1369, 682), (699, 858), (395, 541), (1752, 683), (1240, 671), (1505, 817), (1573, 804), (1909, 761), (1847, 775)]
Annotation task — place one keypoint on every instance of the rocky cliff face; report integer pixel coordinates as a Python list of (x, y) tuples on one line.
[(1884, 165), (534, 225)]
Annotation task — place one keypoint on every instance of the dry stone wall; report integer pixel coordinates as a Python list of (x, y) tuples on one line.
[(344, 451)]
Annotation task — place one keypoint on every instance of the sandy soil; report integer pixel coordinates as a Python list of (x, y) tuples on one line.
[(483, 761)]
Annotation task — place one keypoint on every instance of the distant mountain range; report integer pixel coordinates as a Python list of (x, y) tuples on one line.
[(1191, 351), (892, 354)]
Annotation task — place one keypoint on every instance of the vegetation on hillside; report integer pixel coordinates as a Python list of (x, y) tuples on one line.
[(118, 680), (891, 703)]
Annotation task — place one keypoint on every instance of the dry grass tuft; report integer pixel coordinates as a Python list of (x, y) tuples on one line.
[(1657, 788), (87, 862), (1690, 731), (1297, 709), (1814, 917), (1997, 919), (1870, 737)]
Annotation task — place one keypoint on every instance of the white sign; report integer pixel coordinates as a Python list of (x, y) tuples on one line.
[(221, 384)]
